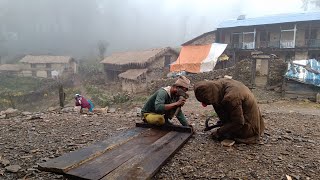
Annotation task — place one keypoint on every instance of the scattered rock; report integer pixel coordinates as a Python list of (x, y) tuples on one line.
[(33, 117), (67, 109), (311, 141), (4, 162), (26, 157), (138, 111), (288, 177), (54, 108), (11, 112), (26, 113), (13, 168), (122, 128), (228, 142), (111, 110), (32, 169)]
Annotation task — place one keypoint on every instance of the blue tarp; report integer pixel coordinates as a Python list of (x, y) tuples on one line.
[(305, 71)]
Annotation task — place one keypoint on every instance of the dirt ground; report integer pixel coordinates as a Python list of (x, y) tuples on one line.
[(290, 147)]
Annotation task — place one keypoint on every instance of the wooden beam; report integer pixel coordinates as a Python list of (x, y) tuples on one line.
[(253, 72), (146, 164), (111, 160), (134, 154), (73, 159), (166, 127)]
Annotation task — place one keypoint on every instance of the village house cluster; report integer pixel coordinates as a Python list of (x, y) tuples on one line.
[(287, 37)]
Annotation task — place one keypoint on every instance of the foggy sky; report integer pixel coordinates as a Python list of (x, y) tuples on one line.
[(74, 27)]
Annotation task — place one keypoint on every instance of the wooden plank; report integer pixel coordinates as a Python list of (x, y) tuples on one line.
[(102, 165), (147, 163), (313, 94), (73, 159), (166, 127)]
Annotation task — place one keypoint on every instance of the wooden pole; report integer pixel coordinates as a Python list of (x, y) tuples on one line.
[(253, 72), (61, 95)]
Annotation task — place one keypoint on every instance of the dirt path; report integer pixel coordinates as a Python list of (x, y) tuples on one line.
[(291, 144)]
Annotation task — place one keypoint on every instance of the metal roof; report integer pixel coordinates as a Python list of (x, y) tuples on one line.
[(274, 19)]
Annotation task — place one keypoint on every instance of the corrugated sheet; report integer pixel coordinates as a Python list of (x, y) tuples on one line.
[(132, 74), (46, 59), (305, 71), (274, 19), (135, 57)]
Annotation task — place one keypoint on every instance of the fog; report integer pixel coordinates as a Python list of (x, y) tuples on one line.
[(75, 27)]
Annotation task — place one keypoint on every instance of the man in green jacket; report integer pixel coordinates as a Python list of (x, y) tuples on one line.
[(163, 104)]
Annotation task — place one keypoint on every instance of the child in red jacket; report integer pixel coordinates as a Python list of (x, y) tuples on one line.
[(83, 102)]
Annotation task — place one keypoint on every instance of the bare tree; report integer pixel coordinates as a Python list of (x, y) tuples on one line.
[(102, 47)]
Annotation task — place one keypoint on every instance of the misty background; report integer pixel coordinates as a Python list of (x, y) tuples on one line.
[(76, 27)]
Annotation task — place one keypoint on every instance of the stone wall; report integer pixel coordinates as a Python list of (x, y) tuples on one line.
[(155, 85), (276, 71), (241, 72), (301, 55), (206, 39)]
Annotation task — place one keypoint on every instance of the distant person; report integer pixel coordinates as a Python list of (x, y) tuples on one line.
[(83, 103), (163, 104), (236, 107)]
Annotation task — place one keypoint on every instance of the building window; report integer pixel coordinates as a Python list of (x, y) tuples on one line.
[(33, 65), (48, 65), (34, 73), (167, 60)]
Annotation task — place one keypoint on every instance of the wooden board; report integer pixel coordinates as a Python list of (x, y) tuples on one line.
[(166, 127), (67, 161), (134, 154)]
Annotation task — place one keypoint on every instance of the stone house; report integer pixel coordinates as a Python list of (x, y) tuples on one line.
[(48, 66), (289, 36), (12, 69), (205, 38), (135, 69)]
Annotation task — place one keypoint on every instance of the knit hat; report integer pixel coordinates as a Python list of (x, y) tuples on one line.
[(183, 82)]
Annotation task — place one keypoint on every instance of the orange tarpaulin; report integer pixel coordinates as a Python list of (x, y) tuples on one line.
[(190, 58), (196, 59)]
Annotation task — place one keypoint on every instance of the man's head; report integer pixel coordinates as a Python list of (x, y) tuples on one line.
[(206, 92), (181, 86)]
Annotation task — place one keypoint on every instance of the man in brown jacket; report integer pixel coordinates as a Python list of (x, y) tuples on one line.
[(236, 108)]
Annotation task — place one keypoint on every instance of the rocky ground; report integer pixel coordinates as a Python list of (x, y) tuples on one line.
[(290, 147)]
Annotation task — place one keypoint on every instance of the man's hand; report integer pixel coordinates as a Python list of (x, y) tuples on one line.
[(181, 102)]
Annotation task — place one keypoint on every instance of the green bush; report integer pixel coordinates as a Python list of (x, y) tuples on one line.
[(121, 98)]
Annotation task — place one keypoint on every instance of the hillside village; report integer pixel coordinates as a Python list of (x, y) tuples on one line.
[(277, 57)]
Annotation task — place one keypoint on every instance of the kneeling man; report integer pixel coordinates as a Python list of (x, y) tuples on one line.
[(163, 104), (236, 108)]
